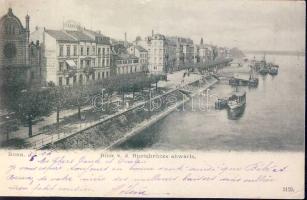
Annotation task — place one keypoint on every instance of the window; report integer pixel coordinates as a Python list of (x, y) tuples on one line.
[(107, 74), (94, 52), (81, 51), (99, 51), (108, 51), (67, 81), (61, 66), (99, 62), (135, 69), (103, 51), (102, 74), (87, 51), (61, 50), (107, 64), (68, 50), (103, 64), (98, 75), (75, 50), (32, 75), (130, 69), (60, 81), (75, 79), (87, 63), (93, 76), (82, 63), (80, 78)]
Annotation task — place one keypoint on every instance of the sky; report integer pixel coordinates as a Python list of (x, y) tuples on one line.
[(246, 24)]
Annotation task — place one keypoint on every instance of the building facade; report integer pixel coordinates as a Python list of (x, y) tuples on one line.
[(15, 57), (156, 47), (127, 64), (180, 53), (141, 53), (74, 55)]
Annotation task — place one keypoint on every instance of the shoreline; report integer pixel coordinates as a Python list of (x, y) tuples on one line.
[(110, 133), (156, 118)]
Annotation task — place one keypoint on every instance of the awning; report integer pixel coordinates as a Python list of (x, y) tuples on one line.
[(71, 63)]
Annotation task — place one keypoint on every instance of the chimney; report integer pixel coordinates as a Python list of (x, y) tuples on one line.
[(125, 43), (28, 26)]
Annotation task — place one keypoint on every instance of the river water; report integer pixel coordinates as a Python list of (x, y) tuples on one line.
[(273, 120)]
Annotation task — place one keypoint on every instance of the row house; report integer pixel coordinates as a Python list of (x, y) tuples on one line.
[(141, 53), (182, 49), (74, 55), (223, 52), (156, 47), (203, 53), (127, 64)]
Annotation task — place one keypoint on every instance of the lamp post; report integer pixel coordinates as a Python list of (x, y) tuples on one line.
[(102, 97)]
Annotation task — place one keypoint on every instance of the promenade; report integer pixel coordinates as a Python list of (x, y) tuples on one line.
[(41, 135)]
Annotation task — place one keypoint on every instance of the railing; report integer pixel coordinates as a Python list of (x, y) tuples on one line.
[(82, 126)]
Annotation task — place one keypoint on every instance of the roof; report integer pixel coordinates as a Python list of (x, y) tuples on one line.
[(99, 37), (95, 33), (12, 16), (125, 56), (80, 36), (60, 35), (141, 49), (158, 36)]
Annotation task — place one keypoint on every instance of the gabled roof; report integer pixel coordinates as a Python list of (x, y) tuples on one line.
[(99, 37), (125, 56), (80, 36), (95, 33), (60, 35), (141, 49)]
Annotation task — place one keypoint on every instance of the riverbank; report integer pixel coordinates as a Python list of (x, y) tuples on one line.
[(148, 123), (122, 127)]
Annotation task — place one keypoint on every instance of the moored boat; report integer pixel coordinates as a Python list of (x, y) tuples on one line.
[(236, 101), (264, 70), (273, 70)]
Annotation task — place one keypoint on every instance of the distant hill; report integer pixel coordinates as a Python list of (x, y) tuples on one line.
[(236, 53), (293, 53)]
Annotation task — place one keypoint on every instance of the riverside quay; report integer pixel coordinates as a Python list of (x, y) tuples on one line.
[(75, 81)]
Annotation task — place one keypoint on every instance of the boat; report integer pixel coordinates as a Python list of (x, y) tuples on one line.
[(236, 103), (263, 70), (273, 70), (262, 66), (253, 80), (221, 103)]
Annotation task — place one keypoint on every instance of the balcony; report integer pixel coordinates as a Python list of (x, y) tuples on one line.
[(69, 72), (88, 71)]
